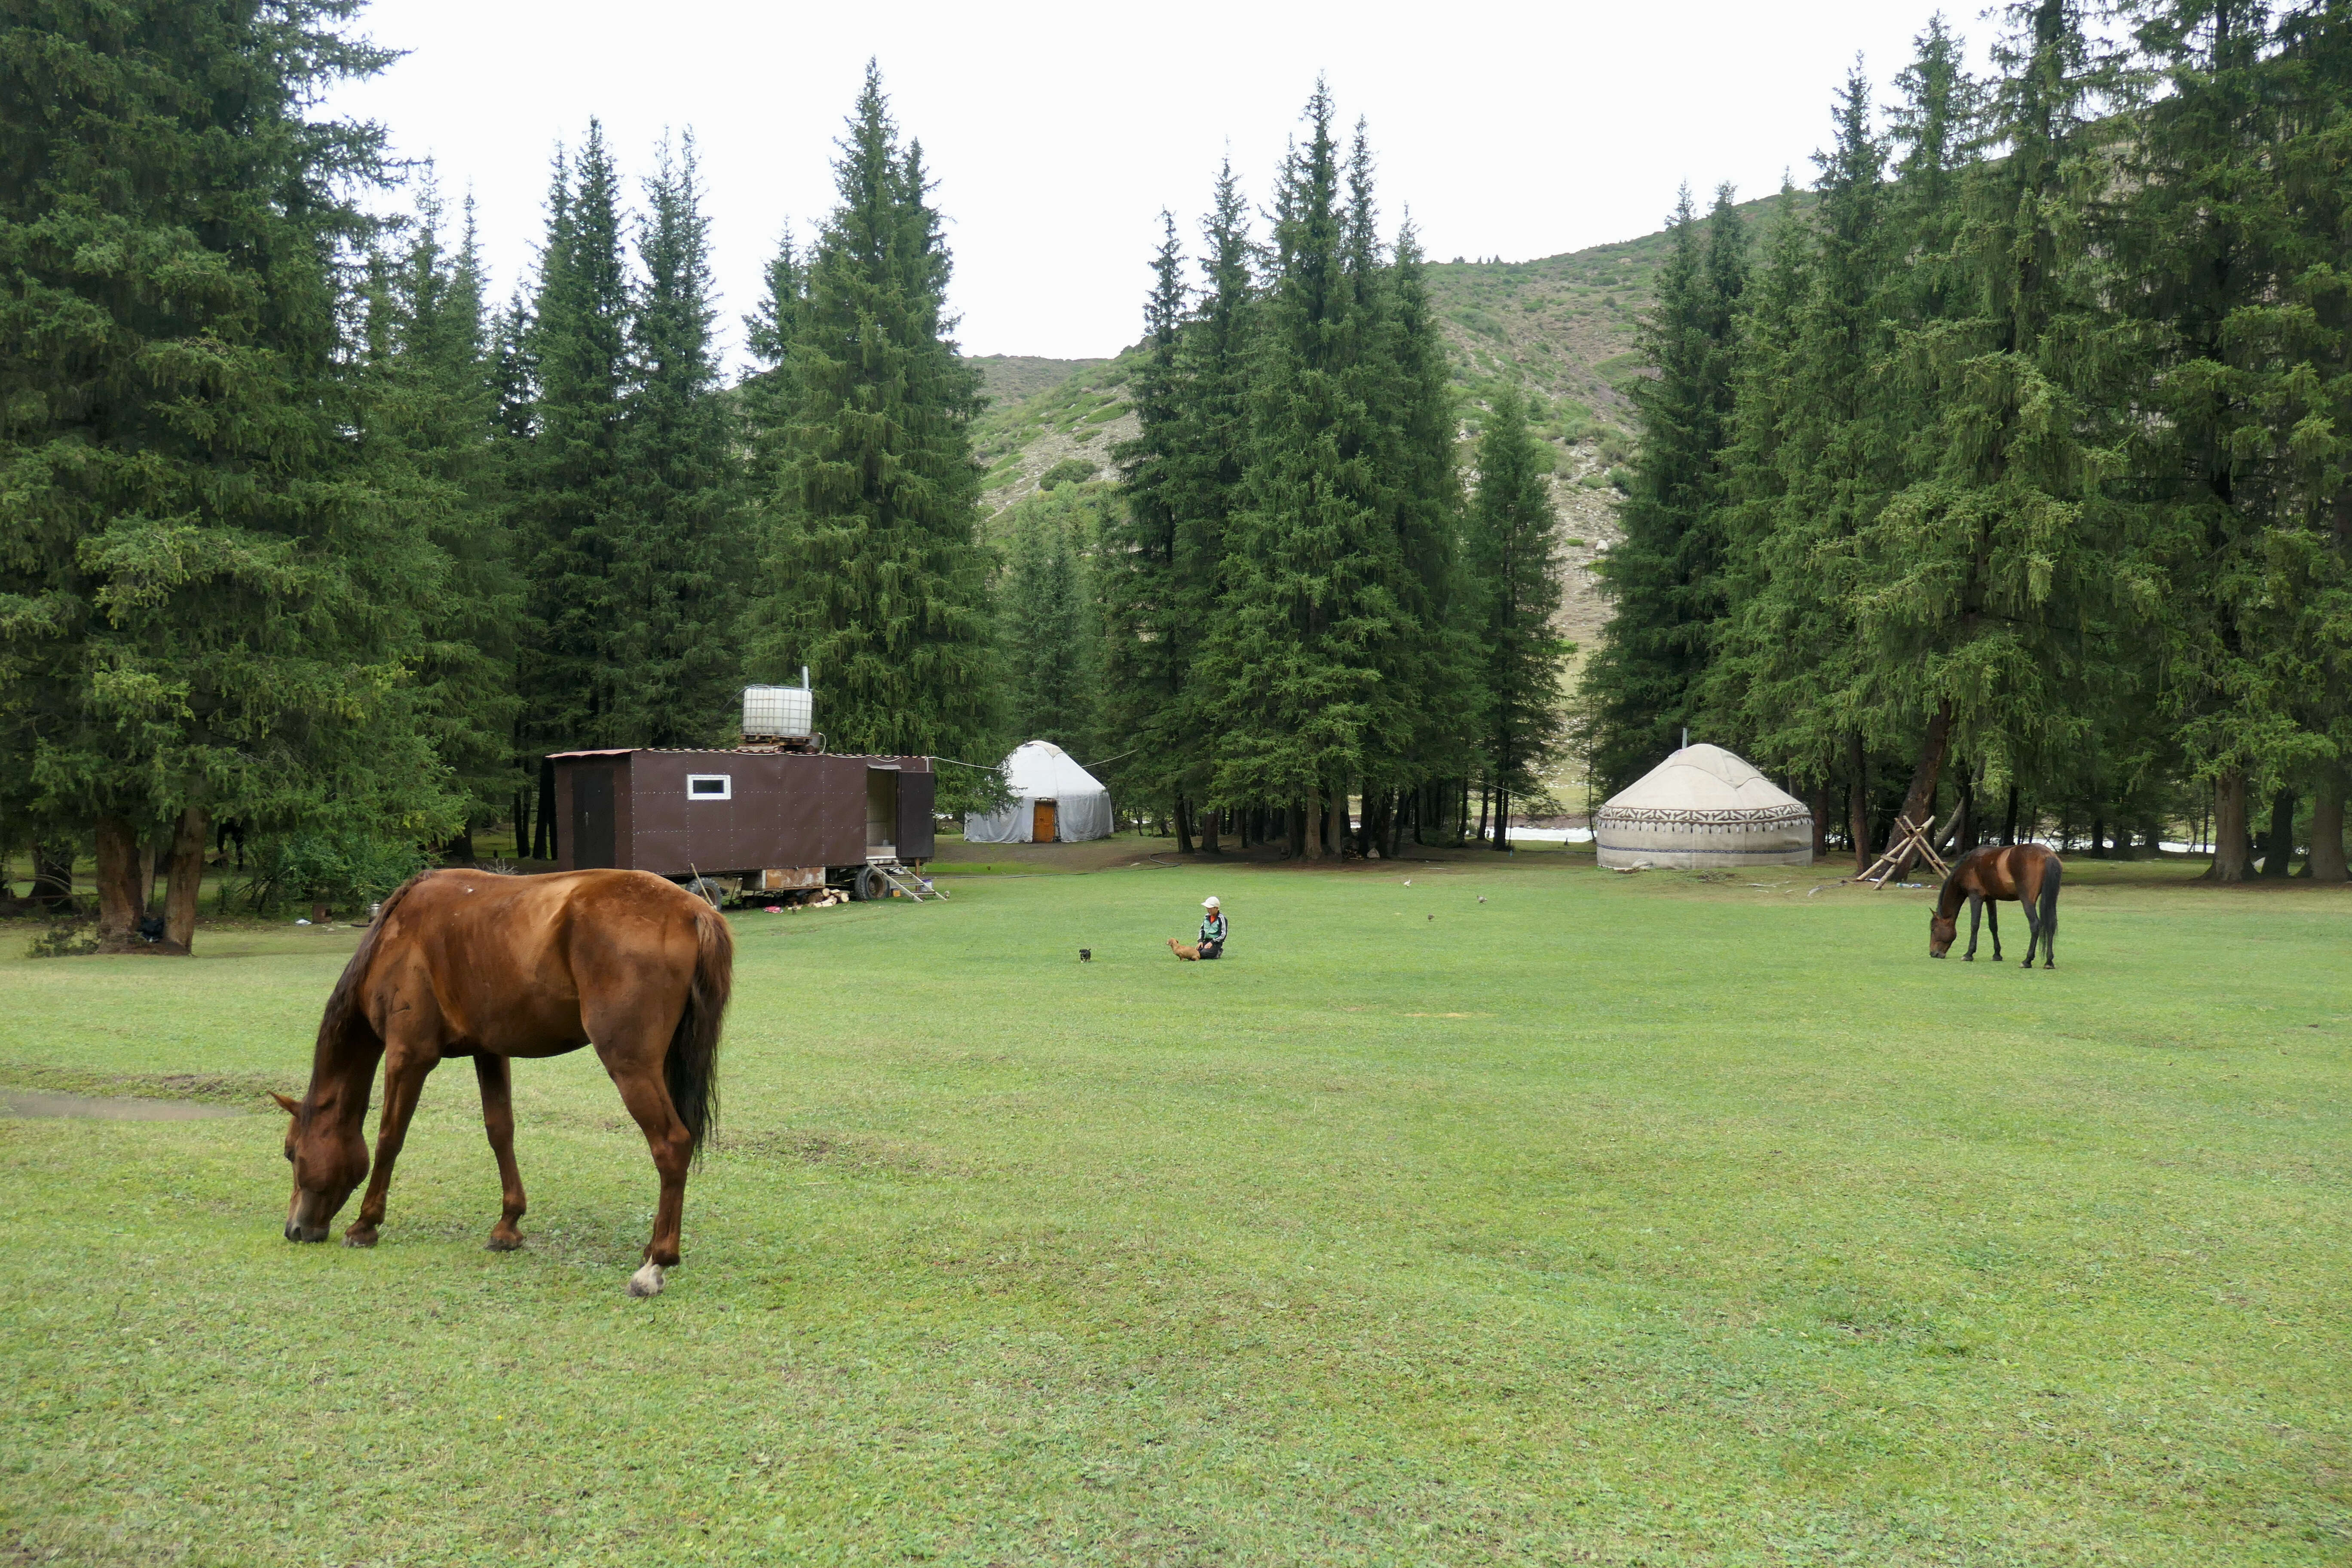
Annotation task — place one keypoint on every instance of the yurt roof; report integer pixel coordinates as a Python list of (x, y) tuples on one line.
[(1040, 770), (1703, 778)]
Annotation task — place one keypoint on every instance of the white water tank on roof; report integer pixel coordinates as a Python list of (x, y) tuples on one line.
[(779, 712)]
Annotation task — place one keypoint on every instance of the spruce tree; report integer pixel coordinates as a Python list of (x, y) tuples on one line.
[(204, 607), (677, 553), (1513, 551), (428, 414), (1309, 618), (875, 564), (571, 480), (1792, 669), (1050, 632), (1644, 686), (2238, 291), (1979, 584), (1149, 621)]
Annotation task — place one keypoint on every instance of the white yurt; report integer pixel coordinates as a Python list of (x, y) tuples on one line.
[(1052, 799), (1700, 807)]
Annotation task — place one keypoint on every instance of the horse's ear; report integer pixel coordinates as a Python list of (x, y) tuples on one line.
[(289, 1106)]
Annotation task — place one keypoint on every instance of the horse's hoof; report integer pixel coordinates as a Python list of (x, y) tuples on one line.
[(646, 1281), (359, 1236), (508, 1243)]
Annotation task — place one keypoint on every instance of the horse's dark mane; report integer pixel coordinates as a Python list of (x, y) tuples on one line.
[(1948, 897), (343, 1003)]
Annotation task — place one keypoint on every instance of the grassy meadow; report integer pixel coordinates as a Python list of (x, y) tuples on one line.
[(1614, 1219)]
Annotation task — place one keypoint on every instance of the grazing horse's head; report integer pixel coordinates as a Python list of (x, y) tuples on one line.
[(330, 1158), (1941, 930)]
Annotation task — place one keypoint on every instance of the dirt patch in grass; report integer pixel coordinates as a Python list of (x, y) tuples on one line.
[(243, 1091)]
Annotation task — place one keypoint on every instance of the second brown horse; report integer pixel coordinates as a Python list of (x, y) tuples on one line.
[(2028, 873), (471, 963)]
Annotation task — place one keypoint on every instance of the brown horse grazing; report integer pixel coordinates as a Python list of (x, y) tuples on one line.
[(2030, 873), (472, 964)]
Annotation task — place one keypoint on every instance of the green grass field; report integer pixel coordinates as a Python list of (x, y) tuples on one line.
[(1623, 1220)]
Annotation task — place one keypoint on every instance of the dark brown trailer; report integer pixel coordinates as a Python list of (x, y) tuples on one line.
[(777, 819)]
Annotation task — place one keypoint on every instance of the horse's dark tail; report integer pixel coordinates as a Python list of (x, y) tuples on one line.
[(691, 1068), (2052, 874)]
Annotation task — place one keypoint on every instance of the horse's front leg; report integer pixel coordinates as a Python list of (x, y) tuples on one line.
[(1975, 912), (1992, 924), (406, 1067), (495, 1074), (638, 1074)]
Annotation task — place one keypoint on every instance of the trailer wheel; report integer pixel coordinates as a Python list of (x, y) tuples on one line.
[(709, 891), (869, 885)]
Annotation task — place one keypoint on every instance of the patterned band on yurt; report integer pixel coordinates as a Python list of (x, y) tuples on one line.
[(1703, 807)]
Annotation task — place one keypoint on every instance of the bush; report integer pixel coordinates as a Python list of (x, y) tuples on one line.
[(66, 939), (1068, 471), (338, 869), (1621, 480)]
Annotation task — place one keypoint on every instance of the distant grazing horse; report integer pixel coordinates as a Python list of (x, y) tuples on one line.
[(2030, 873), (471, 963)]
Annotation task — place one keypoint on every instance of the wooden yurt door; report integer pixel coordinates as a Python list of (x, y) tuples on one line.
[(1041, 825)]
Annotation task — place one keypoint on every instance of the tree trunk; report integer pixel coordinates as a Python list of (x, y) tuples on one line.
[(1308, 834), (1486, 808), (2328, 828), (2230, 856), (2098, 836), (2278, 848), (459, 850), (186, 878), (1857, 802), (117, 881), (152, 857), (1919, 801), (1211, 839), (2009, 819), (522, 824), (53, 868), (1184, 818), (542, 826), (1821, 804), (1339, 825), (1503, 820), (1965, 838)]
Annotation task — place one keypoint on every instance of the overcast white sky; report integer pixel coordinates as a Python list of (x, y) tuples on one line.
[(1058, 131)]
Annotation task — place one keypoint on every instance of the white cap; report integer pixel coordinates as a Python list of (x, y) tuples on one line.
[(1209, 902)]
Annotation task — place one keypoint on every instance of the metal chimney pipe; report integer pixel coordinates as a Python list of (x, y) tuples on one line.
[(805, 685)]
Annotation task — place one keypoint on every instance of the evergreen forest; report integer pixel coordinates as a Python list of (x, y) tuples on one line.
[(2002, 480), (2000, 476)]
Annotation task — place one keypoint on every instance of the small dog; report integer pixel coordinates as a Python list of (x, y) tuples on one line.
[(1190, 954)]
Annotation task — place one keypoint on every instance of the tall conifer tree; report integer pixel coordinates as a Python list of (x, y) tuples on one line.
[(570, 479), (1644, 686), (204, 607), (873, 557), (677, 549), (1514, 555), (1309, 618)]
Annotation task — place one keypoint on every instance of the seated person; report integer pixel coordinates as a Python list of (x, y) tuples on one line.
[(1212, 928)]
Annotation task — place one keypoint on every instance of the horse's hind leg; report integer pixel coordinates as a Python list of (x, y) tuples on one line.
[(637, 1073), (496, 1076), (406, 1065)]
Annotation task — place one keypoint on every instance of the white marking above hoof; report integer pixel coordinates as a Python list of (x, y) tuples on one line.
[(646, 1281)]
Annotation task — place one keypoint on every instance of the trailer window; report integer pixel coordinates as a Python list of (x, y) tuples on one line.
[(710, 786)]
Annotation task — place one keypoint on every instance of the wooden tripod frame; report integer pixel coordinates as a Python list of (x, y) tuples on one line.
[(1914, 840)]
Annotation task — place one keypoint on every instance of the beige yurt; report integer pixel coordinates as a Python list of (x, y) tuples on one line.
[(1701, 807)]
